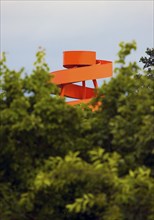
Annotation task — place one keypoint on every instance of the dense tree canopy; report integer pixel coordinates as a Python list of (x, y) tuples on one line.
[(65, 163)]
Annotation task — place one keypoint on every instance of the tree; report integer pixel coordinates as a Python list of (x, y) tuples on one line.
[(125, 122), (62, 162), (34, 126), (148, 62)]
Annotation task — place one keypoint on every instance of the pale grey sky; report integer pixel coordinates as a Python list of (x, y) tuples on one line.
[(73, 25)]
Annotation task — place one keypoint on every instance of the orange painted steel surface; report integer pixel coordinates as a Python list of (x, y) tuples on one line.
[(81, 66)]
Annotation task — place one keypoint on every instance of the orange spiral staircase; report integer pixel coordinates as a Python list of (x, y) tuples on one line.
[(80, 66)]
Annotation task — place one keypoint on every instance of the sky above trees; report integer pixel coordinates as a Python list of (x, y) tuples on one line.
[(73, 25)]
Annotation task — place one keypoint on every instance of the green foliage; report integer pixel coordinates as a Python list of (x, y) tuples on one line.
[(34, 124), (81, 204), (125, 119), (62, 162), (148, 62), (125, 50)]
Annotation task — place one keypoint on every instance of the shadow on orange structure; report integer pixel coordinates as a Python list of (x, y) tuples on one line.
[(80, 66)]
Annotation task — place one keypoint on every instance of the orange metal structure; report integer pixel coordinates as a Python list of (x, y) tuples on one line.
[(80, 66)]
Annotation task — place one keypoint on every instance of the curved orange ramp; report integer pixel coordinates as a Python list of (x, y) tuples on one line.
[(81, 66)]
